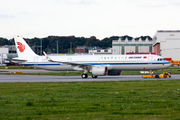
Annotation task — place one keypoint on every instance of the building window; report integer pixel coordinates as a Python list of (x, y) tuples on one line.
[(105, 50)]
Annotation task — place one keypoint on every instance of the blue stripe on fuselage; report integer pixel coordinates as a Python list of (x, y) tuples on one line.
[(127, 63)]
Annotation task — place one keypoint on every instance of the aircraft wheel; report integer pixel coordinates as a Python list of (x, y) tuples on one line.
[(156, 76), (94, 76), (84, 76)]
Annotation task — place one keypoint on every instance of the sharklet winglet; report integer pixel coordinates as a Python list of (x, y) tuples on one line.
[(47, 57)]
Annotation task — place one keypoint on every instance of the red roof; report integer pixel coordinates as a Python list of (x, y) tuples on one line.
[(139, 53), (168, 59)]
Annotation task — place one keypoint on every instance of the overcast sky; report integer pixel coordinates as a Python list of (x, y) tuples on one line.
[(85, 18)]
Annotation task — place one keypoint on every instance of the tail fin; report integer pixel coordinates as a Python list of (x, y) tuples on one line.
[(23, 48)]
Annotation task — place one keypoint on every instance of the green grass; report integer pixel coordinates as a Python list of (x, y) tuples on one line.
[(3, 71), (137, 100), (174, 68), (154, 72), (15, 67)]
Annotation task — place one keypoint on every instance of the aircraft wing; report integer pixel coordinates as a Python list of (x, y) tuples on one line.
[(69, 63)]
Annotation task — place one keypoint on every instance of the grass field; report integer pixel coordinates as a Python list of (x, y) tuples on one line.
[(137, 100), (15, 67)]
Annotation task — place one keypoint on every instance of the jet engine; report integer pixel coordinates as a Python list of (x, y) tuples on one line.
[(99, 71), (3, 59), (114, 72)]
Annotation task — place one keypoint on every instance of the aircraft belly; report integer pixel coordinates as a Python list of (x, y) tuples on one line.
[(136, 67)]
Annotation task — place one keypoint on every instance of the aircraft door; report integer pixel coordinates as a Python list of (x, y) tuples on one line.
[(150, 58), (36, 61), (69, 60)]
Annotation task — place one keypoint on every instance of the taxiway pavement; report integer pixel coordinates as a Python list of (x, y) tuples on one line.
[(49, 78)]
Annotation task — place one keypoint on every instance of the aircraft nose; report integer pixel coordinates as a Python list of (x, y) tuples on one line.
[(168, 64)]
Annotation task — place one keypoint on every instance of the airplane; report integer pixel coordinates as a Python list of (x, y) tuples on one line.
[(97, 65)]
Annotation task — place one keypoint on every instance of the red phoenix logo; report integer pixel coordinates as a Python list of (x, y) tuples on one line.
[(21, 47)]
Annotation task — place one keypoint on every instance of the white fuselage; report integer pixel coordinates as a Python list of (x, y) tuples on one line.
[(99, 65), (112, 62)]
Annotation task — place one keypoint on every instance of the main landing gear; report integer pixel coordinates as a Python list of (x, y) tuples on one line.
[(86, 76), (94, 76), (86, 70)]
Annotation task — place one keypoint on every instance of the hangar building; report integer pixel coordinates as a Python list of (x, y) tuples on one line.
[(167, 44), (130, 45)]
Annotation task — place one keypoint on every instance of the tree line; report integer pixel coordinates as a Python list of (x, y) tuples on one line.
[(49, 44)]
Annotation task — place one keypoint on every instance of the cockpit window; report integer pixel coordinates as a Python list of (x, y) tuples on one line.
[(160, 59)]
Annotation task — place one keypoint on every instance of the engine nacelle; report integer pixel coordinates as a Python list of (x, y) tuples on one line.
[(99, 71), (3, 58), (114, 72)]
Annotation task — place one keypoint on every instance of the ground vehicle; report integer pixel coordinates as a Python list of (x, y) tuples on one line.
[(164, 75)]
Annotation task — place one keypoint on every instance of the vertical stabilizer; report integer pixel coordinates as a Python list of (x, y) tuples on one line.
[(23, 49)]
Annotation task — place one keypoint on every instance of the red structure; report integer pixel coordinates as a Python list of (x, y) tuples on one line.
[(139, 53), (157, 48), (80, 50), (168, 59)]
